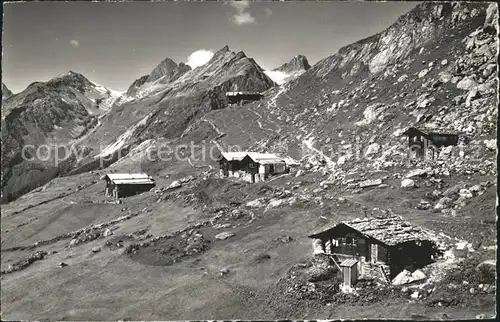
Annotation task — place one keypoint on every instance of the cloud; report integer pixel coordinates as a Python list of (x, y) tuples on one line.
[(74, 43), (277, 76), (242, 16), (199, 58)]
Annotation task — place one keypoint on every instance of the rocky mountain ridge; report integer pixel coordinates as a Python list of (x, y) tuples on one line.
[(6, 93), (57, 112)]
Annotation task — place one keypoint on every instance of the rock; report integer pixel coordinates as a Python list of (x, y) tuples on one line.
[(107, 232), (481, 316), (424, 205), (96, 249), (444, 62), (174, 185), (62, 264), (414, 295), (221, 226), (466, 84), (299, 173), (491, 19), (488, 268), (257, 203), (73, 242), (275, 203), (418, 275), (224, 235), (370, 183), (224, 271), (473, 93), (445, 77), (443, 203), (423, 73), (402, 278), (491, 144), (417, 173), (402, 78), (372, 149), (465, 193), (407, 183)]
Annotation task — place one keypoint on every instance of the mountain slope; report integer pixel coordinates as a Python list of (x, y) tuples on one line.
[(55, 113), (167, 109)]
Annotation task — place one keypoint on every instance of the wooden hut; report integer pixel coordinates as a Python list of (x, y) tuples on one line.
[(253, 166), (426, 142), (241, 98), (127, 184), (391, 244)]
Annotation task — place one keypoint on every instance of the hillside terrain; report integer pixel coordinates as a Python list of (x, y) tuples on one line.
[(201, 246)]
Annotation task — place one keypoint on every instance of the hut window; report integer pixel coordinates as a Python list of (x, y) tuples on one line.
[(251, 165), (342, 241), (351, 241), (354, 242), (418, 243)]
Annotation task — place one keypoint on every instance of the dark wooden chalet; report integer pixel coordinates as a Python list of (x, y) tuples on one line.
[(256, 166), (127, 184), (391, 243), (241, 98), (421, 140)]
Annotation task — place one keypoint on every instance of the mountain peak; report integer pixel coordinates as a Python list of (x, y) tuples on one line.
[(166, 67), (6, 93), (299, 62)]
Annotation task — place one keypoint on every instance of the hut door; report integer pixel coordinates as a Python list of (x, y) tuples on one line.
[(374, 252)]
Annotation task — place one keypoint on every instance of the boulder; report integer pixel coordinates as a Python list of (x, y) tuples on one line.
[(423, 73), (402, 278), (443, 203), (107, 232), (370, 183), (445, 77), (407, 183), (491, 144), (96, 249), (174, 185), (418, 275), (257, 203), (488, 268), (417, 173), (473, 94), (465, 193), (424, 205), (466, 83), (372, 149), (224, 235), (444, 62)]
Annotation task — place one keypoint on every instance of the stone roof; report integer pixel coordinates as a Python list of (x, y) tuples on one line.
[(390, 231), (242, 93), (433, 130)]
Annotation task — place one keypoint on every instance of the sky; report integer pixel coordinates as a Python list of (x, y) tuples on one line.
[(114, 43)]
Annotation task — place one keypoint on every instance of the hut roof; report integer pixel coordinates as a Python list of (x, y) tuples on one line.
[(243, 93), (263, 158), (390, 231), (432, 131), (130, 178)]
